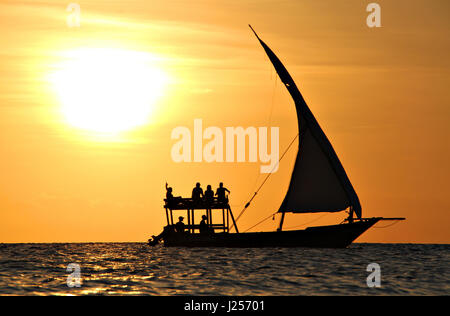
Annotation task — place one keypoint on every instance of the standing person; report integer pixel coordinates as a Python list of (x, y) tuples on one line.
[(221, 198), (197, 193)]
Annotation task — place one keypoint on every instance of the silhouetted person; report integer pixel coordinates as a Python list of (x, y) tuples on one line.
[(170, 199), (180, 227), (221, 198), (209, 195), (204, 229), (197, 193), (169, 195)]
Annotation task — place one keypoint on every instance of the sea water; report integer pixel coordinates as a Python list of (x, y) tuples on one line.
[(137, 269)]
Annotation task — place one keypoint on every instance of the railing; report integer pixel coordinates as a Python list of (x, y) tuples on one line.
[(177, 203), (192, 228)]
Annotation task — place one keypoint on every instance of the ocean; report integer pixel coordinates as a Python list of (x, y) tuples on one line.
[(137, 269)]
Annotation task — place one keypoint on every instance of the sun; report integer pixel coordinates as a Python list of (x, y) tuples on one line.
[(108, 90)]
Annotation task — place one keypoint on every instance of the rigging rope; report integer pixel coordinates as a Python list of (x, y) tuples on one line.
[(273, 102), (395, 222), (269, 123), (253, 188), (265, 219), (267, 177), (314, 220)]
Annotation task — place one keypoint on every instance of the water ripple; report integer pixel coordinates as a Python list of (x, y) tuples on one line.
[(136, 269)]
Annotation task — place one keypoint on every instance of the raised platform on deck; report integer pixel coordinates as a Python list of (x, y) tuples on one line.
[(205, 207)]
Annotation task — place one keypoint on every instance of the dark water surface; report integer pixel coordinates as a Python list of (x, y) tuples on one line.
[(137, 269)]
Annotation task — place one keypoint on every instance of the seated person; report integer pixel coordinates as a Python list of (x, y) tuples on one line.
[(170, 199), (209, 195), (180, 227), (204, 227), (221, 198), (197, 193)]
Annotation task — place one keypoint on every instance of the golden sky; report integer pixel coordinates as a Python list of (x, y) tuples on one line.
[(380, 94)]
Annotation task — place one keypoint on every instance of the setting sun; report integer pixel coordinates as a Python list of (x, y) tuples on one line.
[(108, 90)]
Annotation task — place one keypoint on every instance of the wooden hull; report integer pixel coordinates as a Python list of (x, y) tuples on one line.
[(333, 236)]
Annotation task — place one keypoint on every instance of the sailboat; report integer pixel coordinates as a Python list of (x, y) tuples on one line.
[(318, 183)]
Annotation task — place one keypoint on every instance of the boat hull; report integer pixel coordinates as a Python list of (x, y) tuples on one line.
[(333, 236)]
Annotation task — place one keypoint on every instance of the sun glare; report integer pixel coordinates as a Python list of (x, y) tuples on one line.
[(108, 90)]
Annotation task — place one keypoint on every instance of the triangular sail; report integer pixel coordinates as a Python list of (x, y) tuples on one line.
[(318, 182)]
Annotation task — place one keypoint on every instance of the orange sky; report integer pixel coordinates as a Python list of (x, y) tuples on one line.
[(380, 94)]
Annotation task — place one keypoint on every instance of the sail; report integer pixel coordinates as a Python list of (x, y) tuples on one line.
[(318, 182)]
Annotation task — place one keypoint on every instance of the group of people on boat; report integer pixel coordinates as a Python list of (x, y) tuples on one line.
[(208, 195), (204, 228), (198, 196)]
